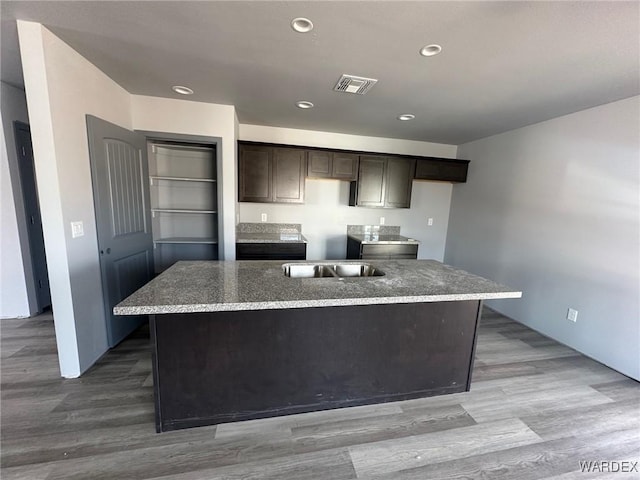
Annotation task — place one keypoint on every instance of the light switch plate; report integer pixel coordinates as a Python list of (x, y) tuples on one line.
[(263, 217), (77, 229), (572, 315), (430, 222)]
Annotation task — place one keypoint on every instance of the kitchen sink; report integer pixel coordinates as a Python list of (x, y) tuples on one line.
[(337, 270)]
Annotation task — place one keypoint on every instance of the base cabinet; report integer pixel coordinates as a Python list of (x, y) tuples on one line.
[(357, 250), (221, 367), (271, 251)]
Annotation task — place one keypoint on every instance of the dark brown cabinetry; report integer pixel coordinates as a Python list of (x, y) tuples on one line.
[(380, 251), (271, 251), (442, 170), (326, 164), (271, 174), (383, 182)]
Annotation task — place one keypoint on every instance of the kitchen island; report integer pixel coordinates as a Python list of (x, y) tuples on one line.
[(240, 340)]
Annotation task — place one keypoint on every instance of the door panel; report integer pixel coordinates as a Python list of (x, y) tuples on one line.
[(399, 181), (345, 166), (124, 169), (319, 164), (371, 182), (119, 173), (289, 169), (255, 174)]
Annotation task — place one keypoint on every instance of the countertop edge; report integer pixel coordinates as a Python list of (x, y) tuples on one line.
[(339, 302)]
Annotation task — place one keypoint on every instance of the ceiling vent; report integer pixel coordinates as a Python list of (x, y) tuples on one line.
[(353, 84)]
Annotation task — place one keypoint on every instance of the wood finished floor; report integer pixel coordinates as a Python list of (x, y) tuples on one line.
[(535, 410)]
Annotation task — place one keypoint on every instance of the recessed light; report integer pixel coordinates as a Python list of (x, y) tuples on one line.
[(430, 50), (182, 90), (304, 104), (406, 116), (302, 25)]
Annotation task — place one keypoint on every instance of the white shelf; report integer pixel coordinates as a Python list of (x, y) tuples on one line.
[(182, 210), (186, 240), (183, 179)]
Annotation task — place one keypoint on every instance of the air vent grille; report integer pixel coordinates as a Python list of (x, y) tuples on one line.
[(353, 84)]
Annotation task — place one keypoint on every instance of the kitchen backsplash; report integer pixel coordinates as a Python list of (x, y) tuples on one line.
[(379, 229), (269, 228)]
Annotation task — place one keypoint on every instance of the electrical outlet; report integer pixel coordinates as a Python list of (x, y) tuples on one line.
[(572, 315), (381, 220), (263, 217), (430, 222)]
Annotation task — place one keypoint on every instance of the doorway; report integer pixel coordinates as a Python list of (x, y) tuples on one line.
[(33, 217)]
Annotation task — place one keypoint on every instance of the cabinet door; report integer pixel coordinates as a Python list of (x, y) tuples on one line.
[(344, 166), (288, 171), (255, 174), (398, 182), (371, 173), (271, 251), (442, 170), (319, 164), (394, 251)]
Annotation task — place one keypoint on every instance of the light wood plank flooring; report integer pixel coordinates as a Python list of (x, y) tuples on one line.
[(535, 410)]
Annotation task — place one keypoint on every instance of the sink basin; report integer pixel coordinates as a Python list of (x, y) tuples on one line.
[(337, 270), (297, 270), (356, 270)]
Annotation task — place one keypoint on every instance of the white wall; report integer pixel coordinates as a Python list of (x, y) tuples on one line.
[(62, 87), (553, 209), (326, 214), (195, 118), (15, 260)]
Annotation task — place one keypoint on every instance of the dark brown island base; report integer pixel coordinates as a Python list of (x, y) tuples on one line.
[(241, 340)]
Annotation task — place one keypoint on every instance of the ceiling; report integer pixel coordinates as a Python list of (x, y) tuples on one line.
[(503, 65)]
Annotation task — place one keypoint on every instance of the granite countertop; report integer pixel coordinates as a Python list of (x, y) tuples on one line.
[(368, 238), (269, 233), (210, 286)]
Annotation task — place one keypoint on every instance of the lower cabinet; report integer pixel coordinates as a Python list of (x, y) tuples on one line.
[(382, 251), (271, 251)]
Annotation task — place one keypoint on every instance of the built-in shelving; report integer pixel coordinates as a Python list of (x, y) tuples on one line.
[(183, 203)]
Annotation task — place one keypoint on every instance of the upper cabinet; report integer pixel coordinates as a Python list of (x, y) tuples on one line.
[(271, 174), (397, 191), (442, 169), (327, 164), (255, 174), (383, 182)]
